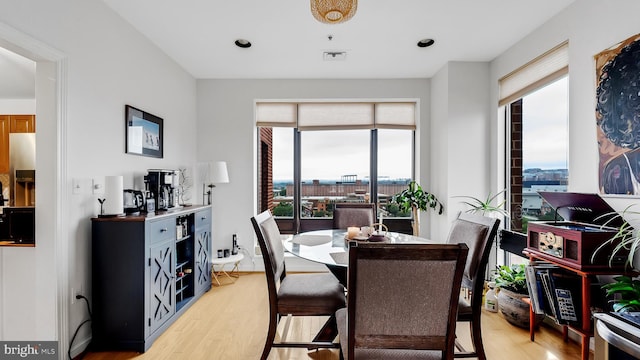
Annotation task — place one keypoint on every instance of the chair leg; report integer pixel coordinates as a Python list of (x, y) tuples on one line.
[(328, 332), (476, 336), (271, 334)]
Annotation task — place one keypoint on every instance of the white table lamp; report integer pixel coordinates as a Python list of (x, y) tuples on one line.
[(218, 174)]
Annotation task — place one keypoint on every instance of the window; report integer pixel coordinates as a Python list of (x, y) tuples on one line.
[(539, 151), (347, 152), (535, 100)]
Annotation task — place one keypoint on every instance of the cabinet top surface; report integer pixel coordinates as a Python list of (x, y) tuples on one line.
[(157, 215)]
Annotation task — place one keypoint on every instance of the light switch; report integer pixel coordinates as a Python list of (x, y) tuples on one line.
[(98, 185), (80, 186), (76, 186)]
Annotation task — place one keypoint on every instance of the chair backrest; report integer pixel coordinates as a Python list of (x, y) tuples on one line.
[(403, 296), (271, 247), (478, 232), (353, 214)]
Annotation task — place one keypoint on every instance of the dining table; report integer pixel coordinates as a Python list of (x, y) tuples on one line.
[(330, 247)]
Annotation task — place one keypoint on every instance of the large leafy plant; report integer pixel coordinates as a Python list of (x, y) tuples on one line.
[(512, 278), (625, 292), (415, 198)]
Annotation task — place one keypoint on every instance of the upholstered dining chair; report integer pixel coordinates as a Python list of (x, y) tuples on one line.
[(311, 294), (402, 301), (478, 232), (353, 214)]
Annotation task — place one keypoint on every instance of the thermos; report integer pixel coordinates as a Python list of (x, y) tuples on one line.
[(234, 249)]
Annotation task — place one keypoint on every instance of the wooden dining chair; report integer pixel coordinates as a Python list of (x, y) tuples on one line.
[(309, 294), (353, 214), (478, 233), (403, 300)]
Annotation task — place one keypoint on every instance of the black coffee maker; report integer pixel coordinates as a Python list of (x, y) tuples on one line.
[(161, 185)]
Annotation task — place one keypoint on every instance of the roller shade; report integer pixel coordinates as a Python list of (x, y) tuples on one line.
[(537, 73), (275, 114), (337, 115)]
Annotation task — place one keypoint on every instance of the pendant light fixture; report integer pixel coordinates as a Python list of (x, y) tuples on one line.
[(333, 11)]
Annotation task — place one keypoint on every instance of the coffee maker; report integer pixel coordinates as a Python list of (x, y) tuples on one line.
[(160, 183)]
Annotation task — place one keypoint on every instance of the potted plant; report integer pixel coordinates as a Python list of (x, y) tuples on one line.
[(625, 293), (512, 282), (486, 206), (626, 241), (415, 198)]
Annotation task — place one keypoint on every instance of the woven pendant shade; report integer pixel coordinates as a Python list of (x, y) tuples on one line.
[(333, 11)]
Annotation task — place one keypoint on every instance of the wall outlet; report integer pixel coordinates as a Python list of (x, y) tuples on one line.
[(74, 292)]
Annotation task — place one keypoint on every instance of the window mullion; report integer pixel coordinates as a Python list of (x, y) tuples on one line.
[(297, 180)]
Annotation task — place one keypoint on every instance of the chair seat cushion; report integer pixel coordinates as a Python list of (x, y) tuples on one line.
[(310, 294), (379, 354)]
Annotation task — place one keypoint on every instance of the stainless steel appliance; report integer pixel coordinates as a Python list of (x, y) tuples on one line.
[(133, 201), (161, 185), (22, 165), (617, 336)]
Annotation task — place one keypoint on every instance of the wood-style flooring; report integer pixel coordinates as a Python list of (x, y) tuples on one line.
[(230, 322)]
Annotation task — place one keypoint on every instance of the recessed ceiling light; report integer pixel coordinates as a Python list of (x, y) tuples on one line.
[(425, 42), (243, 43)]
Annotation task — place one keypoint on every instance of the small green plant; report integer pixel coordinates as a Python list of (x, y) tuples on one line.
[(486, 206), (414, 198), (625, 292), (512, 278)]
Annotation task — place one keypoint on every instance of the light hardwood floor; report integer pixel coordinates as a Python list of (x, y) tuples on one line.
[(230, 322)]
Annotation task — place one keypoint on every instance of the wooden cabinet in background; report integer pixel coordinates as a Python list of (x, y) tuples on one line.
[(4, 145), (12, 124), (23, 123)]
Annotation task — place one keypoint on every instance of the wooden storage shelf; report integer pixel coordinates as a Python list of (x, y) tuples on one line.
[(586, 276)]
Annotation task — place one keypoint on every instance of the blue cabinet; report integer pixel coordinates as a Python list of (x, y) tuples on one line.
[(146, 272)]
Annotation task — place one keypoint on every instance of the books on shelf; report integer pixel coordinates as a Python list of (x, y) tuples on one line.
[(555, 292)]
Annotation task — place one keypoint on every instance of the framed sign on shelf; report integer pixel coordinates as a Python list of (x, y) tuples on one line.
[(144, 133)]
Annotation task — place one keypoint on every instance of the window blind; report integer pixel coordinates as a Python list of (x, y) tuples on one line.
[(537, 73), (337, 115)]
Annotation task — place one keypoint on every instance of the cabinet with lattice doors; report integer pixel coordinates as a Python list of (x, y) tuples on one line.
[(146, 272)]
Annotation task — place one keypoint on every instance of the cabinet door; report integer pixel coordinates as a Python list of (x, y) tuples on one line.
[(161, 284), (203, 250), (203, 260), (4, 144), (23, 123)]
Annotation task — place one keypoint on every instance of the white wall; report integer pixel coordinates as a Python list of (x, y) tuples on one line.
[(590, 26), (17, 106), (461, 138), (108, 65), (226, 131)]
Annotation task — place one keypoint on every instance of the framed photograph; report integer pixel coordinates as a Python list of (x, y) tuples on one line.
[(144, 133)]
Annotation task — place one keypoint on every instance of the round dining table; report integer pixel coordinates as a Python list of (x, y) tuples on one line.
[(330, 247)]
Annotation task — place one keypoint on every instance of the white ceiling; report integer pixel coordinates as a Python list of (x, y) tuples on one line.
[(288, 43)]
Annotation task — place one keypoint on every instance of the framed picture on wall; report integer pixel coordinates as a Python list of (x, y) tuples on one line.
[(143, 133)]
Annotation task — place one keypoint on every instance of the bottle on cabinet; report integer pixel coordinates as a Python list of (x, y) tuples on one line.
[(234, 249)]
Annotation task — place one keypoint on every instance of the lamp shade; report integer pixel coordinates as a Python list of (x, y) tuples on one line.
[(219, 174)]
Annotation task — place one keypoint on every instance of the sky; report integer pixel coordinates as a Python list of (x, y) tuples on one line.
[(328, 155), (545, 123)]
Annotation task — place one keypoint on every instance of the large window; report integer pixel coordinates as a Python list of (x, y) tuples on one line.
[(306, 167), (539, 151), (534, 98)]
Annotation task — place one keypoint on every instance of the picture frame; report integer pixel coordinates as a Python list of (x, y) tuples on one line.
[(143, 133)]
